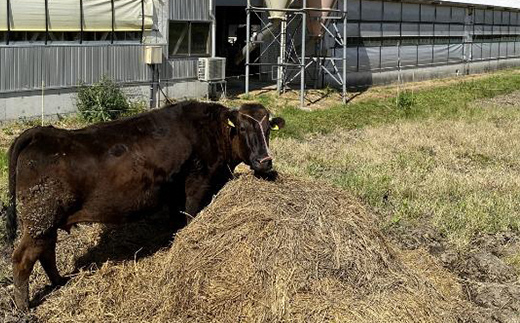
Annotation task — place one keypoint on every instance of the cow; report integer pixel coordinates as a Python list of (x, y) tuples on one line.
[(179, 155)]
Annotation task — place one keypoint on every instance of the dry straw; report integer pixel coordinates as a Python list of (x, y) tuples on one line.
[(284, 251)]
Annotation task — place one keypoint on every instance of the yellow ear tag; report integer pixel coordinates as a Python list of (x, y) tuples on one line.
[(231, 124), (275, 127)]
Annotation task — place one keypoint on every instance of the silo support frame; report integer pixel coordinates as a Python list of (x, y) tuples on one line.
[(288, 54)]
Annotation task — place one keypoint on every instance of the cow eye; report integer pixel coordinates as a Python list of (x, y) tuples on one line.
[(242, 129)]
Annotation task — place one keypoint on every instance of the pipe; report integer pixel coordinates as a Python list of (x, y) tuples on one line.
[(46, 22), (8, 22), (248, 26), (281, 59), (213, 28), (142, 22), (113, 22), (344, 63), (302, 68), (81, 21), (252, 44)]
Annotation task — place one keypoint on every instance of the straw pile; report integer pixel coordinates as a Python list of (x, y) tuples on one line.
[(288, 250)]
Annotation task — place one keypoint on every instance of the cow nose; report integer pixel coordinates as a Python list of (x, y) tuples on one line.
[(265, 159)]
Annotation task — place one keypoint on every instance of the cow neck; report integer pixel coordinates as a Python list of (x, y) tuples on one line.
[(231, 160)]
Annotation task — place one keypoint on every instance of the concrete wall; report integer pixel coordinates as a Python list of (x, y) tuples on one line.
[(15, 106), (360, 80)]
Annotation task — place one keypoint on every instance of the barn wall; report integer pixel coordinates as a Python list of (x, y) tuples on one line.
[(430, 40), (27, 68), (189, 10)]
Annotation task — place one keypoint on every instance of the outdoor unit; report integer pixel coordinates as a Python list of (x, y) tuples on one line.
[(212, 69), (153, 55)]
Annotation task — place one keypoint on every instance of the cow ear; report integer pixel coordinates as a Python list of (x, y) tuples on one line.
[(231, 117), (277, 123)]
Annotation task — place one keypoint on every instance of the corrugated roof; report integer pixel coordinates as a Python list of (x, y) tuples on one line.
[(494, 3)]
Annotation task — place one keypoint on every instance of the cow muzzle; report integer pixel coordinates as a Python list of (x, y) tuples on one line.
[(262, 165)]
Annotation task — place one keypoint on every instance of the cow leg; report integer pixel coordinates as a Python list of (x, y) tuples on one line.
[(48, 262), (24, 257)]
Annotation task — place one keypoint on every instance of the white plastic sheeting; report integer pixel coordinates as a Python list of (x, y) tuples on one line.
[(3, 14), (60, 9), (27, 15), (64, 15)]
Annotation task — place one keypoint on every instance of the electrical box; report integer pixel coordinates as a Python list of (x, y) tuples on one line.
[(153, 55), (212, 69)]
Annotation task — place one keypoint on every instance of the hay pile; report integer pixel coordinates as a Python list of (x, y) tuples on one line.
[(266, 252)]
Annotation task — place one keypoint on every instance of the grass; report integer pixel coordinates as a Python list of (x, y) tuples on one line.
[(514, 260), (441, 102), (434, 156), (458, 172)]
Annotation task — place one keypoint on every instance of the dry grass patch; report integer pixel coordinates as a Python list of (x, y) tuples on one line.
[(461, 176)]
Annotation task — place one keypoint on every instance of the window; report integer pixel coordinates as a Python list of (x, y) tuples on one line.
[(179, 38), (199, 38), (66, 36), (402, 41), (391, 41), (408, 41), (495, 38), (26, 36), (189, 38)]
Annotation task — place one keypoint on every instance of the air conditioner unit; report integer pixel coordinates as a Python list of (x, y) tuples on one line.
[(212, 69)]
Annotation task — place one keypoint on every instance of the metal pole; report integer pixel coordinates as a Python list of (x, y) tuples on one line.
[(213, 28), (418, 43), (449, 36), (345, 21), (359, 31), (152, 87), (142, 21), (113, 22), (82, 21), (43, 99), (8, 22), (508, 33), (248, 31), (434, 35), (281, 60), (302, 68), (46, 21)]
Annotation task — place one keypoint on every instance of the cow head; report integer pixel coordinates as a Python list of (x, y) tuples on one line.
[(250, 126)]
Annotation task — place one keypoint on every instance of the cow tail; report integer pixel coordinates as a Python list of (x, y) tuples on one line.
[(11, 223)]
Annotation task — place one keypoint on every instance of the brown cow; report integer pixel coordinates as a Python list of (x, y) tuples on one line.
[(109, 172)]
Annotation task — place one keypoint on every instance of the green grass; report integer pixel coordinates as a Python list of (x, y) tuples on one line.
[(444, 102)]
